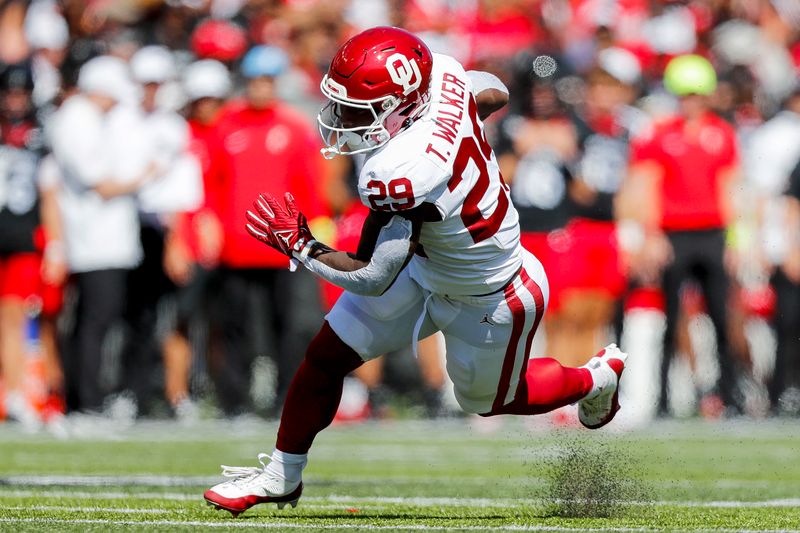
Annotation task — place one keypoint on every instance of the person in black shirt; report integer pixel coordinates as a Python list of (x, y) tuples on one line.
[(564, 166), (536, 145), (20, 260), (605, 122), (784, 387)]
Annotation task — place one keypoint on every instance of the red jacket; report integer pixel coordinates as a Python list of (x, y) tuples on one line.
[(273, 151), (204, 145), (692, 166)]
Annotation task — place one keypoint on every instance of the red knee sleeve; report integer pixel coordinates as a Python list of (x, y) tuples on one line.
[(315, 391), (328, 352)]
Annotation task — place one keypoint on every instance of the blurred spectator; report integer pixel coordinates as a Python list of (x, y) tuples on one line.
[(266, 147), (772, 161), (735, 100), (590, 277), (194, 243), (54, 277), (784, 389), (687, 167), (156, 136), (537, 143), (48, 37), (758, 39), (101, 228), (13, 46), (21, 146)]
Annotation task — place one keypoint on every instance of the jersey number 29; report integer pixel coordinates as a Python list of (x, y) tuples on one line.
[(475, 149)]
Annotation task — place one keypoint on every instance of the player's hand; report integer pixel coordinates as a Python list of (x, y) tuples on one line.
[(282, 227)]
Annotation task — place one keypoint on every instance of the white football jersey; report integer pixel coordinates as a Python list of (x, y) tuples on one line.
[(444, 159)]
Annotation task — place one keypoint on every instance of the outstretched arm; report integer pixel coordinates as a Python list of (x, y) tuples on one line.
[(387, 243), (490, 93)]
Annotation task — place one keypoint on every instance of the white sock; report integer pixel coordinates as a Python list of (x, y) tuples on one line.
[(288, 466)]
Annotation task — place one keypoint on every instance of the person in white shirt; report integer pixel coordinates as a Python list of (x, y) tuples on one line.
[(156, 136), (101, 229), (47, 33)]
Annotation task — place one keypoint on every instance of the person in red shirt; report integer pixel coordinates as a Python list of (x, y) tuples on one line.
[(192, 248), (265, 147), (683, 170)]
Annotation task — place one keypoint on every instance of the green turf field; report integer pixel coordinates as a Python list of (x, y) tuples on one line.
[(422, 476)]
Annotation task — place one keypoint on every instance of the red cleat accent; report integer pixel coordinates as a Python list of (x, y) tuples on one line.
[(236, 506)]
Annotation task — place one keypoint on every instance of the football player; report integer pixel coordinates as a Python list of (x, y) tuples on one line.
[(439, 251)]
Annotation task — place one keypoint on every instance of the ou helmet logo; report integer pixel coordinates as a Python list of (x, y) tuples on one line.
[(404, 72)]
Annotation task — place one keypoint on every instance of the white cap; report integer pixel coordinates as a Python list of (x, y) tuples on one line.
[(621, 64), (45, 27), (153, 64), (207, 78), (108, 76)]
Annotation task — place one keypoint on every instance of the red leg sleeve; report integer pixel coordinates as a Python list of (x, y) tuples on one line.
[(315, 391)]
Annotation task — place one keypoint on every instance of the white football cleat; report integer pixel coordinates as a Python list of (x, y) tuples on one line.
[(251, 485), (606, 367)]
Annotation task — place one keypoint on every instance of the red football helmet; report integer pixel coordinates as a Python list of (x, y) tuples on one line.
[(381, 75), (220, 40)]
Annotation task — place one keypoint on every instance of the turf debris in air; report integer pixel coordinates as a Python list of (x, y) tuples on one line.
[(592, 479)]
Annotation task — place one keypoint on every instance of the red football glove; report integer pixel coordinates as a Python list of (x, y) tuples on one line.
[(284, 229)]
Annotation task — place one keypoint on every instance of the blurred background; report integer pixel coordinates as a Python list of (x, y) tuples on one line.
[(652, 149)]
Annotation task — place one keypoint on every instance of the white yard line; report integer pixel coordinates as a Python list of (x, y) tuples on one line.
[(392, 527), (111, 495), (145, 510), (120, 510), (341, 499), (102, 481), (153, 480)]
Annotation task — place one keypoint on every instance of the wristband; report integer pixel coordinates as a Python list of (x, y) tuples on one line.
[(307, 250)]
